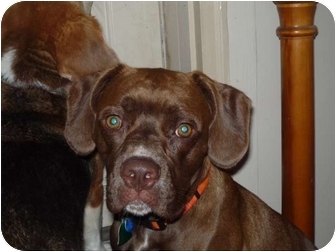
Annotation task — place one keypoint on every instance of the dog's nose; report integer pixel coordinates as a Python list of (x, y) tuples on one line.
[(140, 174)]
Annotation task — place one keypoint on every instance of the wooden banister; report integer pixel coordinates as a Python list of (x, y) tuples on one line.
[(297, 32)]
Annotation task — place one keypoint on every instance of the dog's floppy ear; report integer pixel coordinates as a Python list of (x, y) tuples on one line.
[(229, 130), (80, 115)]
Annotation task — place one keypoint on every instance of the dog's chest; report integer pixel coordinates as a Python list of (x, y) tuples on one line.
[(143, 243), (139, 241), (147, 239), (174, 237)]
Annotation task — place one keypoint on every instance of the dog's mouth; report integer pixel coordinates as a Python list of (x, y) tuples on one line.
[(138, 208)]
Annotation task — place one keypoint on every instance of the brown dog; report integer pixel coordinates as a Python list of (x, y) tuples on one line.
[(45, 46), (167, 139)]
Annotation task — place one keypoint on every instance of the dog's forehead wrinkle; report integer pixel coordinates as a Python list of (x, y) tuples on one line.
[(147, 94), (144, 106), (151, 83)]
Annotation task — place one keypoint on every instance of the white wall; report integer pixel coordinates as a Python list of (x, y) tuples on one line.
[(133, 30), (235, 42), (255, 68), (325, 125)]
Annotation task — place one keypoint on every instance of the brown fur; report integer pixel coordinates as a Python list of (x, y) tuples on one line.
[(55, 42), (154, 171)]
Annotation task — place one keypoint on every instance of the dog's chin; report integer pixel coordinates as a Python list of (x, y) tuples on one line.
[(138, 208)]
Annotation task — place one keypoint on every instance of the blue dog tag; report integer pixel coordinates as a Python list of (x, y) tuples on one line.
[(129, 225), (125, 231)]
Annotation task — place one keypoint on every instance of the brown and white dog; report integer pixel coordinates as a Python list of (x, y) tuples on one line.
[(45, 47), (48, 44), (167, 140)]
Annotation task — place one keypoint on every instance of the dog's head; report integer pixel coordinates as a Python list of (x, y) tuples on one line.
[(49, 44), (154, 129)]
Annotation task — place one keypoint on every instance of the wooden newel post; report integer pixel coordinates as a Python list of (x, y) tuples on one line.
[(297, 32)]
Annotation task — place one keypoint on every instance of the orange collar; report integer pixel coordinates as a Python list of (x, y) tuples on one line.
[(200, 189), (159, 225)]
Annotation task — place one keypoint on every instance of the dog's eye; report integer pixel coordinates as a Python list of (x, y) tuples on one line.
[(184, 130), (113, 122)]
